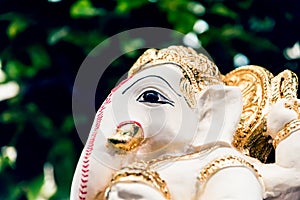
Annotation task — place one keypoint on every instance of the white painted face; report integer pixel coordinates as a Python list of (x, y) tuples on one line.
[(152, 99), (151, 106)]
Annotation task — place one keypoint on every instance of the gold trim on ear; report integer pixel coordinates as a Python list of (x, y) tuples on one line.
[(260, 89), (284, 85)]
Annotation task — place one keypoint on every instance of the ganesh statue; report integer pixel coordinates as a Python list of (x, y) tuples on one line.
[(177, 129)]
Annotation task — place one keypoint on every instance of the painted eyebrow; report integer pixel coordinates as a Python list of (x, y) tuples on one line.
[(155, 76)]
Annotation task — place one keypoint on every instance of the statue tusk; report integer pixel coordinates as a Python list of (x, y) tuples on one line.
[(128, 136)]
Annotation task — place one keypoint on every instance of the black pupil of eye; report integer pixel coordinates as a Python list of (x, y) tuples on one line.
[(151, 96)]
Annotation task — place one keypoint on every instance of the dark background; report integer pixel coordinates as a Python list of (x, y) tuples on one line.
[(43, 43)]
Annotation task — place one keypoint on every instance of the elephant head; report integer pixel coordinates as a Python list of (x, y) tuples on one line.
[(173, 100)]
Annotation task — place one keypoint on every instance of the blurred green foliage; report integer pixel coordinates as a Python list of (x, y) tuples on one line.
[(44, 42)]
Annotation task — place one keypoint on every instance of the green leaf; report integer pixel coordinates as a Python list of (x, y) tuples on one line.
[(14, 68), (176, 10), (85, 9), (33, 187), (125, 6), (264, 25), (86, 40), (57, 34), (63, 157), (42, 123), (196, 8), (3, 163), (39, 58), (186, 23), (245, 4), (13, 115), (258, 43), (232, 31), (68, 124), (2, 74), (16, 26), (222, 10), (15, 192)]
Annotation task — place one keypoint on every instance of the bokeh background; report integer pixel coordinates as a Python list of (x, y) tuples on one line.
[(44, 42)]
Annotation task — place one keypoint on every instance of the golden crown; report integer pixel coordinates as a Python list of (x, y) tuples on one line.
[(197, 68)]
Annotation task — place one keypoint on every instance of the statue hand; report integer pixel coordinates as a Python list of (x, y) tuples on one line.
[(282, 177), (280, 114)]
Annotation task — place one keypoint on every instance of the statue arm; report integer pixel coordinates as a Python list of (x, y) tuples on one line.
[(233, 183), (287, 152), (284, 128), (282, 178)]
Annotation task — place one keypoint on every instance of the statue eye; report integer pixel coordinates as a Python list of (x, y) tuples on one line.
[(152, 96)]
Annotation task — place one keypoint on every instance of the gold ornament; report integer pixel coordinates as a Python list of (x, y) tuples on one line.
[(293, 105), (255, 84), (284, 85), (139, 173), (224, 162), (199, 72), (260, 89), (127, 137), (288, 129)]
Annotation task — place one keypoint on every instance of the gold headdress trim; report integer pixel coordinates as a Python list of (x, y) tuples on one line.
[(197, 68)]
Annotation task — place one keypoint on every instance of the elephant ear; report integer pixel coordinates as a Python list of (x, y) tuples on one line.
[(260, 89), (219, 108)]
